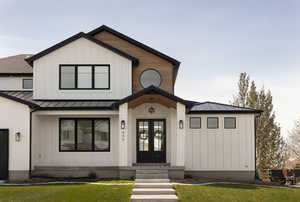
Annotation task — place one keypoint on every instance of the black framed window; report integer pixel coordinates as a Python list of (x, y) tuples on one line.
[(212, 122), (195, 122), (84, 134), (27, 83), (84, 77), (229, 122)]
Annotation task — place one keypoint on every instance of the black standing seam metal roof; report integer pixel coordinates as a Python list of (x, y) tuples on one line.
[(26, 97), (214, 107), (30, 60)]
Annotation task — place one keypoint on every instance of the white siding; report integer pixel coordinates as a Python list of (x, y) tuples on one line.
[(16, 118), (45, 145), (81, 51), (221, 149), (12, 83)]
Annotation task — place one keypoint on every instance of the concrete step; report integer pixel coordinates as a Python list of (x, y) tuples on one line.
[(154, 198), (153, 191), (152, 176), (151, 180), (153, 185), (151, 171)]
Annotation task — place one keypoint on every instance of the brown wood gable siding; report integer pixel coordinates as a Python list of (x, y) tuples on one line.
[(146, 60)]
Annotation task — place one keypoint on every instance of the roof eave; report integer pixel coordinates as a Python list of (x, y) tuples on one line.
[(224, 112), (31, 59), (134, 42), (149, 90), (30, 104)]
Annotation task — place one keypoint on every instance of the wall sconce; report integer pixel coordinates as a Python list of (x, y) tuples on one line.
[(180, 124), (122, 124), (18, 137)]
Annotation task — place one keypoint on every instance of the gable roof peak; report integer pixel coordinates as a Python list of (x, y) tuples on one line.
[(134, 42), (75, 37)]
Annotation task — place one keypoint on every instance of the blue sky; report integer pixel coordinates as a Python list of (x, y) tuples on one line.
[(214, 40)]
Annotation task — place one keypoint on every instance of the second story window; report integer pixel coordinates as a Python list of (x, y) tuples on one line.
[(84, 77)]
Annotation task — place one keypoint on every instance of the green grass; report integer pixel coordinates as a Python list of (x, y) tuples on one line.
[(236, 193), (66, 193)]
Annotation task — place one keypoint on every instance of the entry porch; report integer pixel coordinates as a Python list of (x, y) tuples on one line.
[(147, 130)]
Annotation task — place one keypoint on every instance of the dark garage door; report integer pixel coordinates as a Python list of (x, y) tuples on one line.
[(3, 154)]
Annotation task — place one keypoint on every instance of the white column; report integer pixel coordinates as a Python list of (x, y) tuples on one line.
[(123, 135), (180, 160)]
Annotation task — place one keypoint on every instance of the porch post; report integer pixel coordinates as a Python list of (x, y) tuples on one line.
[(123, 135), (180, 128)]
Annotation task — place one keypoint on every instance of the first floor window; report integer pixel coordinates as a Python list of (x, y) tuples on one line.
[(67, 135), (229, 122), (195, 122), (212, 122), (27, 84), (84, 134)]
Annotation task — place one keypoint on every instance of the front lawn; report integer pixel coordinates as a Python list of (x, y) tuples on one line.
[(66, 193), (236, 193)]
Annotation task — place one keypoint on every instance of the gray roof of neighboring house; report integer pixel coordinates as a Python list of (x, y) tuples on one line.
[(213, 107), (26, 97), (15, 65)]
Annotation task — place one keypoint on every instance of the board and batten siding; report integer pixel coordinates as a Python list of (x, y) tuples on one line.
[(12, 83), (81, 51), (45, 145), (221, 149)]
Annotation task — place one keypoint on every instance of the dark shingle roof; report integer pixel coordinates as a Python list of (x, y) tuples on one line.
[(26, 97), (213, 107), (15, 65)]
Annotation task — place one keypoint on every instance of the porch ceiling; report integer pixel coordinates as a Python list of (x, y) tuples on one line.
[(152, 98)]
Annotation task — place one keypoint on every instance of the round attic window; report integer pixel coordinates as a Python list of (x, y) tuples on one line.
[(150, 77)]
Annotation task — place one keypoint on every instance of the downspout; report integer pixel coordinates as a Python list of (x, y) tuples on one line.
[(30, 139)]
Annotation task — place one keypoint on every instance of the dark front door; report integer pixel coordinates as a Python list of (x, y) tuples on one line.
[(151, 141), (3, 154)]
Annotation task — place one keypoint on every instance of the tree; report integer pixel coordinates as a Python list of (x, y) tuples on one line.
[(294, 141), (270, 146), (243, 84)]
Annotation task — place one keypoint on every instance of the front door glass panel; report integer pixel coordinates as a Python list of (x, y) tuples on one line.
[(158, 135), (143, 136)]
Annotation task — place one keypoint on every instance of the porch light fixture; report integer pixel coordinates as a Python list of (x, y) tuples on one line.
[(122, 124), (18, 137), (180, 124)]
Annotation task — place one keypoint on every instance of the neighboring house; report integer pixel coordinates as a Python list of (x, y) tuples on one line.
[(15, 73), (104, 103)]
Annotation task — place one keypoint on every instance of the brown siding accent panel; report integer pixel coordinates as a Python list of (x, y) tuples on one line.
[(152, 98), (147, 60)]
